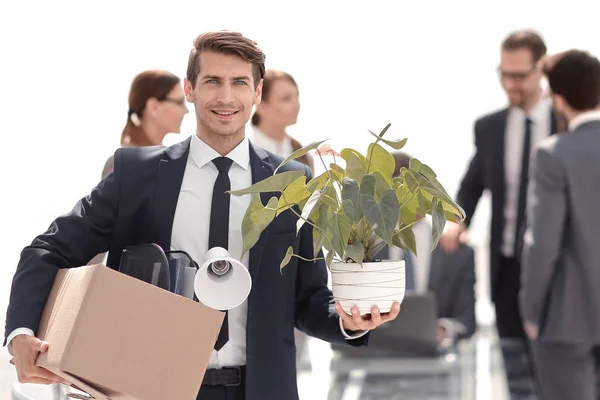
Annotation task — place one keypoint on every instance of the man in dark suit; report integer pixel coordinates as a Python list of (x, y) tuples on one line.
[(503, 140), (176, 197)]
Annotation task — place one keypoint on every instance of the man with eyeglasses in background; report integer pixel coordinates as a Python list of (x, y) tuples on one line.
[(503, 140)]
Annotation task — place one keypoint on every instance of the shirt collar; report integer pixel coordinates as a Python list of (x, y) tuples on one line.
[(539, 112), (203, 154), (584, 117)]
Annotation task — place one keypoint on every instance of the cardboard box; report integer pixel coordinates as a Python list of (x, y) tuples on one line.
[(117, 337)]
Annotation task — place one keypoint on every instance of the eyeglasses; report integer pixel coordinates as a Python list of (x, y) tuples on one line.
[(179, 102), (516, 76)]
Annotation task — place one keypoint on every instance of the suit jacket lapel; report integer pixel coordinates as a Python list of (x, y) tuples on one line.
[(261, 170), (498, 151), (168, 185)]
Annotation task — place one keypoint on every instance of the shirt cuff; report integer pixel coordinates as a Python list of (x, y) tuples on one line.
[(13, 334), (355, 334)]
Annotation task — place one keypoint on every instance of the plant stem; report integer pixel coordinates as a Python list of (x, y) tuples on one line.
[(410, 225), (306, 259)]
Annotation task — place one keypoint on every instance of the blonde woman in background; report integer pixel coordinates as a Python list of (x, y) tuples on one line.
[(278, 110), (156, 108)]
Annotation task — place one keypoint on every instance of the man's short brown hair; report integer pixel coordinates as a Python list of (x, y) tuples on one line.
[(230, 43), (575, 75), (528, 40)]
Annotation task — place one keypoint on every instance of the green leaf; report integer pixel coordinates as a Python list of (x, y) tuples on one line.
[(408, 238), (293, 194), (308, 209), (288, 256), (367, 185), (428, 172), (318, 182), (274, 183), (382, 215), (350, 192), (330, 201), (300, 152), (329, 259), (430, 190), (320, 216), (256, 220), (395, 144), (356, 252), (381, 161), (337, 172), (340, 226), (381, 185), (355, 164), (349, 209), (438, 222)]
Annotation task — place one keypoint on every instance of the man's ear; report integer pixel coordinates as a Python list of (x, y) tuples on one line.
[(559, 103), (258, 93), (188, 90)]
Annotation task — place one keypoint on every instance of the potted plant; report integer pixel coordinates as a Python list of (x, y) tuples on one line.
[(356, 207)]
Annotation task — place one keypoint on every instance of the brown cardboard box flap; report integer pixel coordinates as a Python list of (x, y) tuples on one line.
[(126, 338)]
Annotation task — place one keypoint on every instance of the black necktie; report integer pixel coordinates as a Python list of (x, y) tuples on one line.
[(219, 225), (523, 187)]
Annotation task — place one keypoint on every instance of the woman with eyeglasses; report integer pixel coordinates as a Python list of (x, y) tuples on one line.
[(156, 108)]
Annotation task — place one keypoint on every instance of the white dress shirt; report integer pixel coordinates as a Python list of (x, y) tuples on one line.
[(192, 222), (422, 262), (513, 158), (282, 148)]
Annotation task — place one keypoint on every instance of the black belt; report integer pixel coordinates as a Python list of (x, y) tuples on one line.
[(227, 376)]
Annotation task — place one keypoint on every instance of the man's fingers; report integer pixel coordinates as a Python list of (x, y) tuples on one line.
[(375, 316), (357, 319), (392, 314), (45, 374), (41, 346), (343, 314), (37, 380), (40, 375)]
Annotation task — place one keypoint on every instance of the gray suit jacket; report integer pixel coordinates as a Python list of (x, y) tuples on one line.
[(452, 280), (561, 256)]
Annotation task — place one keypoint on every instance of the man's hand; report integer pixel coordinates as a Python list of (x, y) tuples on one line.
[(452, 237), (441, 334), (371, 321), (25, 350), (531, 329)]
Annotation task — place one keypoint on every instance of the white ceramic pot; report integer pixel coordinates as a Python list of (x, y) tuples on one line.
[(372, 284)]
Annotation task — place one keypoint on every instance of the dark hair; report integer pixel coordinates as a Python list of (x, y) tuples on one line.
[(271, 76), (226, 42), (526, 39), (575, 75), (148, 84), (402, 160)]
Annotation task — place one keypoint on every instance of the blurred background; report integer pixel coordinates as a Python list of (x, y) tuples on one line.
[(428, 68)]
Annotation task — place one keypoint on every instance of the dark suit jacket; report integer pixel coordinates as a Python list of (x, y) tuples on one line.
[(452, 280), (486, 171), (136, 205)]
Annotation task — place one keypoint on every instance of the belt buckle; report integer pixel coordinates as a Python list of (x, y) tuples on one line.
[(239, 376)]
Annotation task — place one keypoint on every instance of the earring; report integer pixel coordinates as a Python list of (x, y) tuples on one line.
[(135, 119)]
